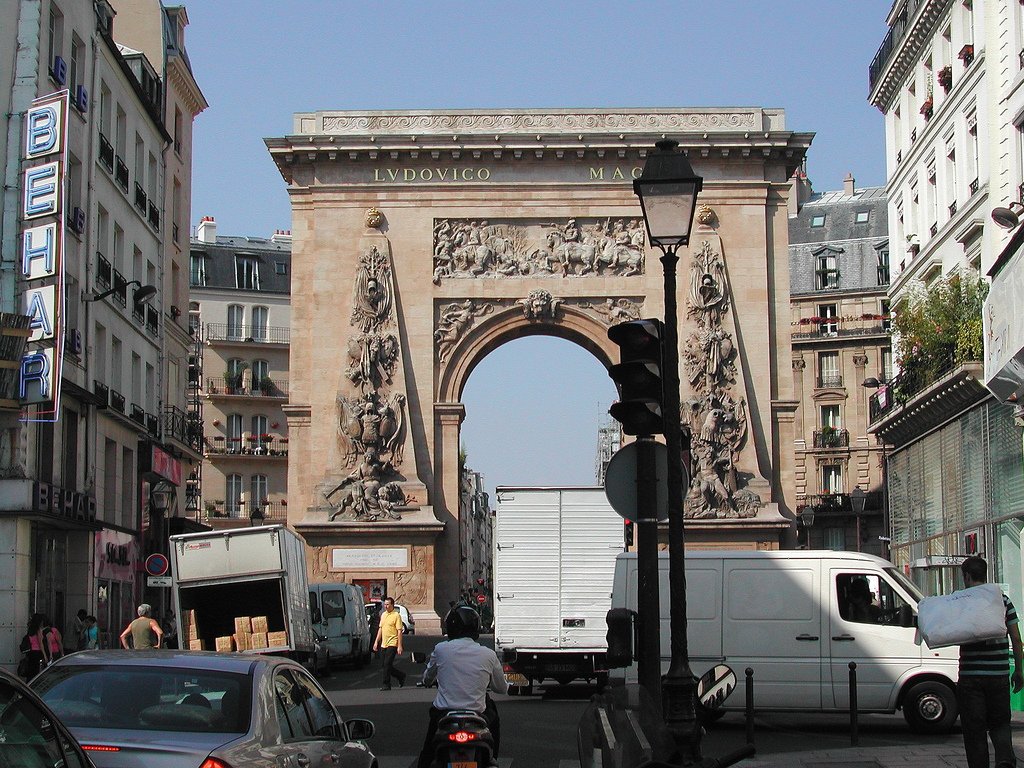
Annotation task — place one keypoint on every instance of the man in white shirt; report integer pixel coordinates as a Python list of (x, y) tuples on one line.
[(464, 671)]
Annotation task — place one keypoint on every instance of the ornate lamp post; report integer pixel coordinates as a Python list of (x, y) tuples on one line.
[(857, 501), (668, 189)]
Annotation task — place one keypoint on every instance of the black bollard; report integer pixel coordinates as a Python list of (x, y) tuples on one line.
[(854, 736), (750, 705)]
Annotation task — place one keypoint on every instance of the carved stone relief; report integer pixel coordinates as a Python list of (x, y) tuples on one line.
[(469, 249), (454, 320), (799, 363), (615, 311), (539, 304), (372, 419), (717, 421)]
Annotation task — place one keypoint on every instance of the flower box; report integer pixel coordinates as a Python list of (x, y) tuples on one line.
[(966, 54), (927, 107), (945, 77)]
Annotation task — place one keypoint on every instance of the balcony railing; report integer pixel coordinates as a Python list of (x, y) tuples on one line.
[(830, 437), (891, 42), (183, 427), (121, 174), (905, 385), (152, 320), (106, 153), (865, 328), (974, 187), (154, 215), (952, 208), (116, 401), (933, 230), (104, 271), (138, 415), (102, 392), (248, 334), (274, 510), (152, 425), (141, 201), (840, 502), (233, 385), (830, 380), (271, 445)]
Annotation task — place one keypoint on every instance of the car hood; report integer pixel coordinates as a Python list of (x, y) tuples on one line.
[(153, 749)]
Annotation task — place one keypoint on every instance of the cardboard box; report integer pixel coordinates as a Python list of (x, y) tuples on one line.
[(243, 624), (225, 644), (243, 641), (196, 644), (275, 639), (258, 640), (192, 632), (259, 624)]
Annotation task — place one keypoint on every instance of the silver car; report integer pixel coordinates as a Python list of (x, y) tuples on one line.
[(186, 709)]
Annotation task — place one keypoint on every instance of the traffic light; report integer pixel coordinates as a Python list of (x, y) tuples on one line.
[(627, 533), (638, 376)]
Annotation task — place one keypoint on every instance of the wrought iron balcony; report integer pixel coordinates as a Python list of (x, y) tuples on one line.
[(141, 200), (104, 271), (121, 174), (891, 42), (106, 153), (179, 425), (234, 385), (138, 415), (273, 510), (152, 320), (154, 215), (830, 380), (116, 401), (152, 425), (102, 392), (248, 334), (831, 437)]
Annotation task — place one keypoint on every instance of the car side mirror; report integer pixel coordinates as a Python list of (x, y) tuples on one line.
[(359, 729)]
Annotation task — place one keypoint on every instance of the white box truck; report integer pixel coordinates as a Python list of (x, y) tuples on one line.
[(797, 620), (554, 560), (261, 571)]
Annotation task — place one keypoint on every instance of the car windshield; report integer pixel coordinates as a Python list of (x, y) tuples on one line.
[(149, 698)]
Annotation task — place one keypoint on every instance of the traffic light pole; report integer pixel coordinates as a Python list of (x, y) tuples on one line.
[(648, 597)]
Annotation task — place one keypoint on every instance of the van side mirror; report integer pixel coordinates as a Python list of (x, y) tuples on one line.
[(621, 630), (907, 616)]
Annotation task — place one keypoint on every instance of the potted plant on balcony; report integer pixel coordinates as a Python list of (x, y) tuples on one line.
[(233, 378), (966, 54), (927, 106), (267, 386), (913, 245), (829, 436), (945, 77), (211, 509)]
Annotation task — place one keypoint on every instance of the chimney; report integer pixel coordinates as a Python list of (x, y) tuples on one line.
[(282, 236), (848, 185), (207, 230), (801, 192)]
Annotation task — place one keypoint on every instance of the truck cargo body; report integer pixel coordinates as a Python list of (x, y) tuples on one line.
[(243, 572), (554, 561)]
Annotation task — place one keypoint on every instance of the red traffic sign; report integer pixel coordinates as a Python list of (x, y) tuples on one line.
[(156, 564), (481, 599)]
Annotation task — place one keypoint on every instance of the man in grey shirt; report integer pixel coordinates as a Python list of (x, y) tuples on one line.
[(464, 671)]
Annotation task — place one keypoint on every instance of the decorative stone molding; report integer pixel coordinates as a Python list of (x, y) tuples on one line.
[(799, 363), (706, 215), (614, 311), (537, 121), (374, 218), (539, 304), (860, 360)]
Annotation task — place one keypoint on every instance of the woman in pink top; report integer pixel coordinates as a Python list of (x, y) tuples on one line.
[(41, 645)]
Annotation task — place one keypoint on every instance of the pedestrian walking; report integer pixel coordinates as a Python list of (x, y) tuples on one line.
[(79, 629), (389, 639), (40, 646), (143, 630), (92, 634), (983, 691)]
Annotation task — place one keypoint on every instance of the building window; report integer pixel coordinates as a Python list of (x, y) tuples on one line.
[(197, 273), (247, 273), (828, 370), (178, 122), (260, 371), (55, 34), (234, 433), (233, 494), (882, 255), (886, 313), (886, 357), (833, 538), (818, 220), (831, 478), (862, 217), (259, 491), (281, 267), (826, 273), (830, 323), (830, 416), (76, 71), (236, 321), (260, 318)]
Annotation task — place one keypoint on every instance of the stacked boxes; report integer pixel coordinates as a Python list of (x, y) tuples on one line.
[(275, 639), (225, 644), (257, 640), (198, 644), (259, 624), (251, 634)]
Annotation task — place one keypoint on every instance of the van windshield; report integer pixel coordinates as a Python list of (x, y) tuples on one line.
[(907, 584)]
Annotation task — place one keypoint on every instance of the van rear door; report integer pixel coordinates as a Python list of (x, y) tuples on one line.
[(870, 634), (772, 623)]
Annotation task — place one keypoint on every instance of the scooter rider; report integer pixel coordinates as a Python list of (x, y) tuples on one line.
[(464, 671)]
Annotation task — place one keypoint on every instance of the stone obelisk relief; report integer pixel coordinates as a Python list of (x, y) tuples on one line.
[(423, 241)]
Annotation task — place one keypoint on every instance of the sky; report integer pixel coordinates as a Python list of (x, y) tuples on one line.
[(534, 405)]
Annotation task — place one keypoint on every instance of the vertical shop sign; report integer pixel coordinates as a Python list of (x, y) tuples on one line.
[(44, 167)]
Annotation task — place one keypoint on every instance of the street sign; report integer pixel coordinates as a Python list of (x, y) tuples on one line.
[(158, 581), (620, 482), (481, 599), (156, 565)]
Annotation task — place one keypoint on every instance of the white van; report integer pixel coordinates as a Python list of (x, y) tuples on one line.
[(338, 615), (788, 616)]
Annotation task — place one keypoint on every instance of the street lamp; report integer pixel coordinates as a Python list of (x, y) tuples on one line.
[(257, 516), (140, 297), (857, 501), (668, 189)]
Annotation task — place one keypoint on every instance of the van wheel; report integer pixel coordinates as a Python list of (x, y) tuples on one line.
[(930, 707)]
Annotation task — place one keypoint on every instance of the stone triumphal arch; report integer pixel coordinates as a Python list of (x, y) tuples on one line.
[(424, 240)]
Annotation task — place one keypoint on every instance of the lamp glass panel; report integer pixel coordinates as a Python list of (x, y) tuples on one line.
[(668, 209)]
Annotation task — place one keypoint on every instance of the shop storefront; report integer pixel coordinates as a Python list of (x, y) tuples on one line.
[(117, 583)]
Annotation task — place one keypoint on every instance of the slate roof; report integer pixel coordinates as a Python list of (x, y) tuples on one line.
[(220, 262)]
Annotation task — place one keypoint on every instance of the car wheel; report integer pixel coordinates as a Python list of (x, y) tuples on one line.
[(930, 707)]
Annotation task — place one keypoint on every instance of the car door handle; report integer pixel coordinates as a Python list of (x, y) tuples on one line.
[(301, 760), (807, 637), (843, 638)]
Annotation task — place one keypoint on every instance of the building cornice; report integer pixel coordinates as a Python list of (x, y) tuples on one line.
[(535, 134), (906, 52), (185, 85)]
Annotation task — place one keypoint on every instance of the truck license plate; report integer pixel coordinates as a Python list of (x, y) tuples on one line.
[(514, 678), (463, 764)]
